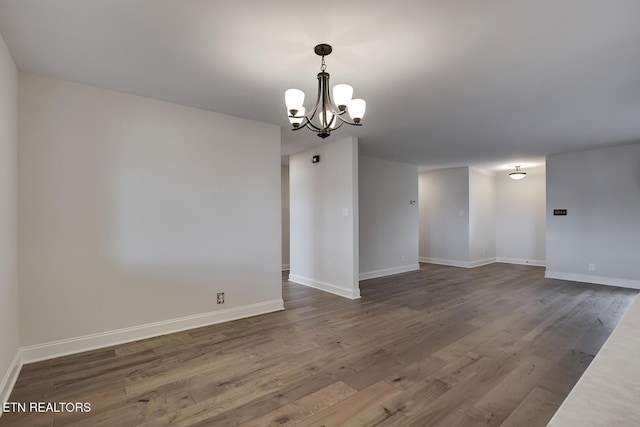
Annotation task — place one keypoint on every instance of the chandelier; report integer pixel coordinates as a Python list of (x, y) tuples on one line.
[(328, 113), (518, 174)]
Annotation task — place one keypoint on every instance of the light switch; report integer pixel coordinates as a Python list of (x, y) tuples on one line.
[(345, 211)]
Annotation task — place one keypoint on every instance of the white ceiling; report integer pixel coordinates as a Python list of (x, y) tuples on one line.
[(447, 83)]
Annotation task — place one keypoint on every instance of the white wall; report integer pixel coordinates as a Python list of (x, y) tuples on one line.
[(388, 221), (504, 221), (444, 221), (482, 217), (285, 216), (601, 191), (134, 213), (324, 241), (9, 327), (520, 217)]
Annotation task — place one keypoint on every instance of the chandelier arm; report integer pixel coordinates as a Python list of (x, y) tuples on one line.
[(312, 127), (313, 112), (328, 103), (309, 126), (302, 123), (311, 115), (305, 121), (339, 125), (349, 122), (323, 83)]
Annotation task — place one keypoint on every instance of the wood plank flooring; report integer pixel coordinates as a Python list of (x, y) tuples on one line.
[(497, 345)]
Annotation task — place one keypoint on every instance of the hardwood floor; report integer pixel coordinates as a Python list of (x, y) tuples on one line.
[(497, 345)]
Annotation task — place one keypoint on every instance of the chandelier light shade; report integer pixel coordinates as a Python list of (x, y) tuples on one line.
[(518, 174), (329, 113), (296, 121)]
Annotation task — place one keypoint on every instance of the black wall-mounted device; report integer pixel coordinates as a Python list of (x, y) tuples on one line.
[(315, 159)]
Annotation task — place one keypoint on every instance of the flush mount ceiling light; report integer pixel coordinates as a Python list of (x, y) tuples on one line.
[(329, 113), (518, 174)]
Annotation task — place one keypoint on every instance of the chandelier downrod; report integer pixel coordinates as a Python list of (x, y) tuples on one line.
[(328, 116)]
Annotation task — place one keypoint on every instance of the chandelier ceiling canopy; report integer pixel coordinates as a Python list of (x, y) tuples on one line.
[(328, 113)]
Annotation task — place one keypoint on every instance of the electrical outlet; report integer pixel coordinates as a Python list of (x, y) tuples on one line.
[(220, 297), (402, 258), (592, 267)]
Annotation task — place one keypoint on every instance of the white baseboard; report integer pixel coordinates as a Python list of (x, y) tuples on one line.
[(598, 280), (65, 347), (285, 267), (536, 262), (9, 380), (389, 271), (481, 262), (327, 287), (449, 262), (456, 263)]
